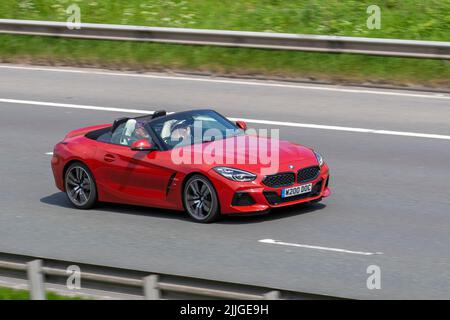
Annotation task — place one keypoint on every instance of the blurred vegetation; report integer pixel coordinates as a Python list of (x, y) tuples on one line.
[(14, 294), (406, 19)]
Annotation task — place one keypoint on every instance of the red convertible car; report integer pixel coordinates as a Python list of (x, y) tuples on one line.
[(197, 161)]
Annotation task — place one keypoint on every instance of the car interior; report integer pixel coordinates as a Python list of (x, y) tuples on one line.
[(175, 130)]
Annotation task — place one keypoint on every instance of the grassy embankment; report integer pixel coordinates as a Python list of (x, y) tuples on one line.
[(408, 19), (14, 294)]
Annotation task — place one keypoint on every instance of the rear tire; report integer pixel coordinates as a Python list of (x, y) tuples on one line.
[(80, 186), (200, 199)]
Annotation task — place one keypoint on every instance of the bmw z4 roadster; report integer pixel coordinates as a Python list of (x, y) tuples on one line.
[(197, 161)]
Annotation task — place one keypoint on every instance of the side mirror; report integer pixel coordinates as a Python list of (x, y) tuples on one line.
[(241, 125), (142, 145)]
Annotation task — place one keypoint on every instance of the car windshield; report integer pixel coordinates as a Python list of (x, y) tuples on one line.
[(193, 127)]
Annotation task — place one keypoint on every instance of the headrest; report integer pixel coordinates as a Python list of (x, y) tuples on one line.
[(130, 126)]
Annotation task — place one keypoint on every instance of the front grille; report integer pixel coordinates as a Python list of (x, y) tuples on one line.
[(308, 174), (273, 198), (279, 180)]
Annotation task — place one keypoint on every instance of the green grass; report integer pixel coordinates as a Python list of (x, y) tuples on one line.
[(407, 19), (225, 61), (13, 294)]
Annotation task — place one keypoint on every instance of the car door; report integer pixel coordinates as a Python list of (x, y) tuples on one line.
[(129, 176)]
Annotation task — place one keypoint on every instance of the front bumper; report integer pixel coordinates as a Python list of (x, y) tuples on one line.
[(264, 197)]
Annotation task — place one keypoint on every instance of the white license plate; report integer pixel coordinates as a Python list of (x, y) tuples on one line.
[(295, 191)]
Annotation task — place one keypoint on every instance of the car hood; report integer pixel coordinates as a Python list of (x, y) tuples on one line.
[(252, 153)]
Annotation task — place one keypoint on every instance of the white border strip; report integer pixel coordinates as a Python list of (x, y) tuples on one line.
[(256, 121)]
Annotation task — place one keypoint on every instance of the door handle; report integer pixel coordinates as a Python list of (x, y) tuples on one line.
[(109, 157)]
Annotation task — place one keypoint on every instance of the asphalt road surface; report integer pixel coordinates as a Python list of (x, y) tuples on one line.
[(390, 202)]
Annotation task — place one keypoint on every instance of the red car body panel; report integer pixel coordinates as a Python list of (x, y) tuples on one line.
[(153, 179)]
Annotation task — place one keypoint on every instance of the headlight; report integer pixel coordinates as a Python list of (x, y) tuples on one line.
[(319, 158), (235, 174)]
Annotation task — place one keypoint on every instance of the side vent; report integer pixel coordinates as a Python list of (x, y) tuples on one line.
[(169, 184)]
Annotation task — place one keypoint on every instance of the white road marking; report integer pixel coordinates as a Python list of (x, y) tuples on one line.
[(73, 106), (256, 121), (49, 153), (348, 129), (238, 82), (271, 241)]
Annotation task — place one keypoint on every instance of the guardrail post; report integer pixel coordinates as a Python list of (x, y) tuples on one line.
[(36, 280), (151, 291), (272, 295)]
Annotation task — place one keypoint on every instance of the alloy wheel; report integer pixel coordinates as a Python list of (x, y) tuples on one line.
[(199, 200), (78, 185)]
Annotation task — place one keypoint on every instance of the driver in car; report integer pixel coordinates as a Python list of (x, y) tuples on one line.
[(181, 132), (139, 132)]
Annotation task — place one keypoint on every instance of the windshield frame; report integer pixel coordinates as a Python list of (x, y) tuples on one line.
[(165, 146)]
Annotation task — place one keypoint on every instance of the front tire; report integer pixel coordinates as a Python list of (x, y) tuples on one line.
[(200, 199), (80, 186)]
